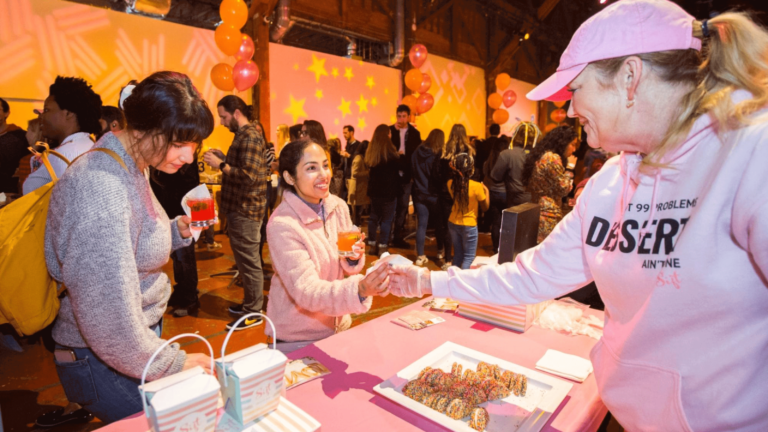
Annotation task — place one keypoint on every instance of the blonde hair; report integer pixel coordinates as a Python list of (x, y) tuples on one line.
[(457, 143), (735, 56), (283, 138)]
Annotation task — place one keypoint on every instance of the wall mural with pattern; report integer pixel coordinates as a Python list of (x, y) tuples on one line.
[(44, 38), (459, 92), (336, 91)]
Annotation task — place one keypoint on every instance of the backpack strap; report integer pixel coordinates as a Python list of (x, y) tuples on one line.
[(114, 156)]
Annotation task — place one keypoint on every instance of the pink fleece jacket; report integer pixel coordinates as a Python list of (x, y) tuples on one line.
[(309, 297), (680, 257)]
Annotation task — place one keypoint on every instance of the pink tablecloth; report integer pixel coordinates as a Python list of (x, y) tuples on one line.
[(368, 354)]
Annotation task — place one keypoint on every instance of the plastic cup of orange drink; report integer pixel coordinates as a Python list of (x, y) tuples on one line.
[(346, 240)]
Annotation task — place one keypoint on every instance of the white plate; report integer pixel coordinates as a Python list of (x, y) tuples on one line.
[(513, 413)]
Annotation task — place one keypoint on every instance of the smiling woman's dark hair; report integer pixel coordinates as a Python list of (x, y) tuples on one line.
[(290, 156), (167, 105)]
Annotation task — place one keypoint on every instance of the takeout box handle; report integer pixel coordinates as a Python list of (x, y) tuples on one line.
[(151, 359), (229, 334)]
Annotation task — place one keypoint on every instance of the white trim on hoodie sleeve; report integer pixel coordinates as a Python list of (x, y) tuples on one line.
[(552, 269)]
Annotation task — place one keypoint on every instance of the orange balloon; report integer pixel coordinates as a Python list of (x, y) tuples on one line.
[(558, 115), (234, 12), (227, 38), (549, 127), (221, 75), (412, 103), (502, 81), (559, 104), (413, 79), (494, 100), (500, 116), (424, 103)]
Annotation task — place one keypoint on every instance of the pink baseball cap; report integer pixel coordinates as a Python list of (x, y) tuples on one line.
[(624, 28)]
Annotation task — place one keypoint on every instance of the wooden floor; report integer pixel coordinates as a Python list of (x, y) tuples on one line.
[(29, 385)]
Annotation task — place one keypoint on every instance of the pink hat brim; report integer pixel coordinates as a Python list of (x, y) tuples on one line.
[(554, 88)]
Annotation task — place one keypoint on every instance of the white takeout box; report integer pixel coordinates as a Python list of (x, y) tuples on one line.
[(186, 401), (253, 383)]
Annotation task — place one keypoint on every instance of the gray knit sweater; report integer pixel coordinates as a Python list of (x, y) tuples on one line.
[(106, 240)]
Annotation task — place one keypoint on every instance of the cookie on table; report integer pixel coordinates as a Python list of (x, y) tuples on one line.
[(506, 379), (484, 369), (432, 376), (515, 384), (472, 378), (459, 389), (478, 419), (416, 390), (487, 383), (475, 396), (457, 409), (498, 391), (431, 399), (495, 371), (523, 385), (442, 402), (456, 369), (424, 371)]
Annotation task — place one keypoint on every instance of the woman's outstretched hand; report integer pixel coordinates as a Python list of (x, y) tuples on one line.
[(409, 281), (375, 283)]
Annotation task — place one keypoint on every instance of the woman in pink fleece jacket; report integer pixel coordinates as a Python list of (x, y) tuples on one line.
[(674, 232), (310, 298)]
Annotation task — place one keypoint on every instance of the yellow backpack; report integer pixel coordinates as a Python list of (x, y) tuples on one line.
[(29, 299)]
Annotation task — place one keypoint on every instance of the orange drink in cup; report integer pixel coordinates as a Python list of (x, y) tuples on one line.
[(346, 240)]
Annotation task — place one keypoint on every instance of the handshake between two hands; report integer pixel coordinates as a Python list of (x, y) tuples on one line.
[(399, 280)]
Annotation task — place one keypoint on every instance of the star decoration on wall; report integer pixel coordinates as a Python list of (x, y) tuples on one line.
[(348, 73), (374, 101), (296, 109), (336, 122), (272, 96), (369, 82), (361, 124), (344, 108), (386, 91), (335, 72), (318, 67), (362, 104), (296, 66), (318, 94)]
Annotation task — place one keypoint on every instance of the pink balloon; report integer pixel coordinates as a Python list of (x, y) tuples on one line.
[(426, 83), (418, 55), (245, 74), (509, 98), (424, 103), (246, 50)]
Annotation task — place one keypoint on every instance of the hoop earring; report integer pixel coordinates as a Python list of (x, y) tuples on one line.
[(630, 103)]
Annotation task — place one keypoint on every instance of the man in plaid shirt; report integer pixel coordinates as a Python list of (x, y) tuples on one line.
[(243, 201)]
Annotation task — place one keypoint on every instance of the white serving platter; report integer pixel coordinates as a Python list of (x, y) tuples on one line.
[(526, 413)]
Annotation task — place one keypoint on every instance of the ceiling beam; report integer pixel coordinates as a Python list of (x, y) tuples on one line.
[(546, 8), (436, 13)]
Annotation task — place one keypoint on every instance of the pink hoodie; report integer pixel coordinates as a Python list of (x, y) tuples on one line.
[(686, 308), (309, 298)]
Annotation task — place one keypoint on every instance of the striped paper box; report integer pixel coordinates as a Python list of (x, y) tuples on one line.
[(254, 383), (286, 418), (184, 402), (518, 318)]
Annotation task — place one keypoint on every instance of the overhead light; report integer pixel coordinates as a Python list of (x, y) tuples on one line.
[(527, 36), (603, 1)]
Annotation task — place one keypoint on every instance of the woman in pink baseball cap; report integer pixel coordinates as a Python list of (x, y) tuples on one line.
[(674, 231)]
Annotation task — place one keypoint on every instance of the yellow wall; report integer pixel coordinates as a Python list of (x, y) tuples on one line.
[(44, 38), (459, 92)]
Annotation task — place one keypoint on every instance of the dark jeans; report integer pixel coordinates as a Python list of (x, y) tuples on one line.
[(244, 237), (402, 211), (444, 242), (103, 391), (498, 204), (464, 244), (263, 233), (382, 214), (185, 274), (207, 236), (424, 207)]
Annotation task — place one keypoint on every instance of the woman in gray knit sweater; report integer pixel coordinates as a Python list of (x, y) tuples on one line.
[(107, 239)]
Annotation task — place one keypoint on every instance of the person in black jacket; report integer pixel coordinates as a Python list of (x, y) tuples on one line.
[(13, 147), (170, 190), (406, 139), (425, 198), (383, 186)]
